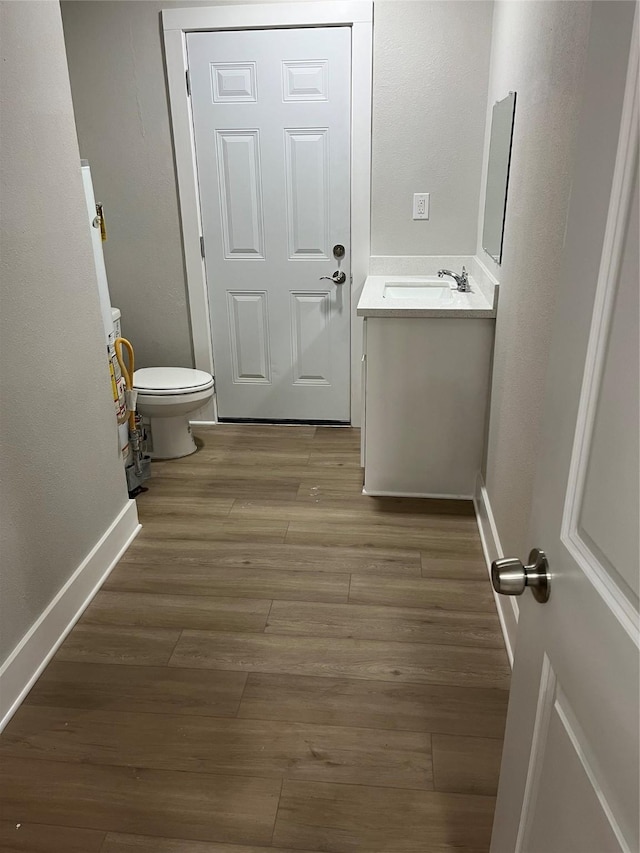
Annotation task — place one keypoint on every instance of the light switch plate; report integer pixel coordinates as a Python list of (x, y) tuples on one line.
[(421, 205)]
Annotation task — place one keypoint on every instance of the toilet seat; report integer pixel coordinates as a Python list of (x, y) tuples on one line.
[(171, 381)]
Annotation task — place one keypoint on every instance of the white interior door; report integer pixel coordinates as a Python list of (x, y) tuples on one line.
[(271, 115), (569, 780)]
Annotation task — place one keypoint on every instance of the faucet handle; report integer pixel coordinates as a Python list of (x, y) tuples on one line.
[(464, 281)]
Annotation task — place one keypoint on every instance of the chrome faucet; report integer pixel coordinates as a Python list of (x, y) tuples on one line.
[(462, 281)]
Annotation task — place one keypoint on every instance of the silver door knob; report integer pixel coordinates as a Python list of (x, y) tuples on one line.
[(510, 577), (337, 278)]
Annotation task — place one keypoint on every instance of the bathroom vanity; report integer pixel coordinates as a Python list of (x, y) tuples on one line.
[(426, 376)]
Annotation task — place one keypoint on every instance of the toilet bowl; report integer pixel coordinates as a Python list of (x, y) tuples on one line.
[(166, 397)]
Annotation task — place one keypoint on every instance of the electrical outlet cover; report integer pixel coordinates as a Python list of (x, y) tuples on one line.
[(421, 205)]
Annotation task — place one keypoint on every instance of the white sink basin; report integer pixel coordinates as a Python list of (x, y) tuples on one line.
[(398, 295), (429, 293)]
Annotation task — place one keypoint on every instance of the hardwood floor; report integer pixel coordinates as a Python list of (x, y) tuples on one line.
[(278, 663)]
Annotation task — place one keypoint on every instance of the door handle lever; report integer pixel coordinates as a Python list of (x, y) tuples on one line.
[(337, 278)]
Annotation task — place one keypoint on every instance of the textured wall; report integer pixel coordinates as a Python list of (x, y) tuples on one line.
[(430, 73), (430, 82), (539, 49), (120, 101), (62, 480)]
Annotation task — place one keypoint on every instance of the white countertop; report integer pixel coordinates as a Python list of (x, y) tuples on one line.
[(375, 303)]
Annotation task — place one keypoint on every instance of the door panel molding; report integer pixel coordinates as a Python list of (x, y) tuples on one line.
[(309, 314), (233, 82), (546, 695), (305, 80), (240, 180), (597, 779), (358, 15), (605, 579), (249, 337), (554, 706), (307, 159)]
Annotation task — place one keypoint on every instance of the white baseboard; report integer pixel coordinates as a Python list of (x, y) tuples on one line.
[(25, 663), (204, 423), (376, 493), (508, 609)]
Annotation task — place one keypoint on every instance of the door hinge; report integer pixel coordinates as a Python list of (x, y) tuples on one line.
[(188, 82), (202, 247)]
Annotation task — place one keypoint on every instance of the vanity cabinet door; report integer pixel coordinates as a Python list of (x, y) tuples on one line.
[(427, 391)]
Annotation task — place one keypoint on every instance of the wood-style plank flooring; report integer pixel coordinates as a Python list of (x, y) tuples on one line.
[(278, 663)]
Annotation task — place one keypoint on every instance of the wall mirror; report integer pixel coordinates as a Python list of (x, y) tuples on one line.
[(495, 204)]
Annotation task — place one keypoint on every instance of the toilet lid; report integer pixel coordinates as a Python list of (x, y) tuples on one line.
[(171, 380)]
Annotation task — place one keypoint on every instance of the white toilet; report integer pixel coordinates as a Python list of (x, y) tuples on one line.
[(166, 396)]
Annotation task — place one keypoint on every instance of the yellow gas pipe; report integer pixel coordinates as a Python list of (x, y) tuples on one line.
[(127, 373)]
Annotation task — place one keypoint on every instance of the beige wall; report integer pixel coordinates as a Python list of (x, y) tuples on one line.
[(430, 80), (539, 50), (62, 480), (119, 96)]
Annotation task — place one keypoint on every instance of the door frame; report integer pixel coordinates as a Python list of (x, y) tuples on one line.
[(176, 23)]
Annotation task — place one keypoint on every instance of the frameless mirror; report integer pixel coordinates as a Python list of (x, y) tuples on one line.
[(495, 203)]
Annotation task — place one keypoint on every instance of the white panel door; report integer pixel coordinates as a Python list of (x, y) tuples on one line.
[(569, 779), (271, 115)]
